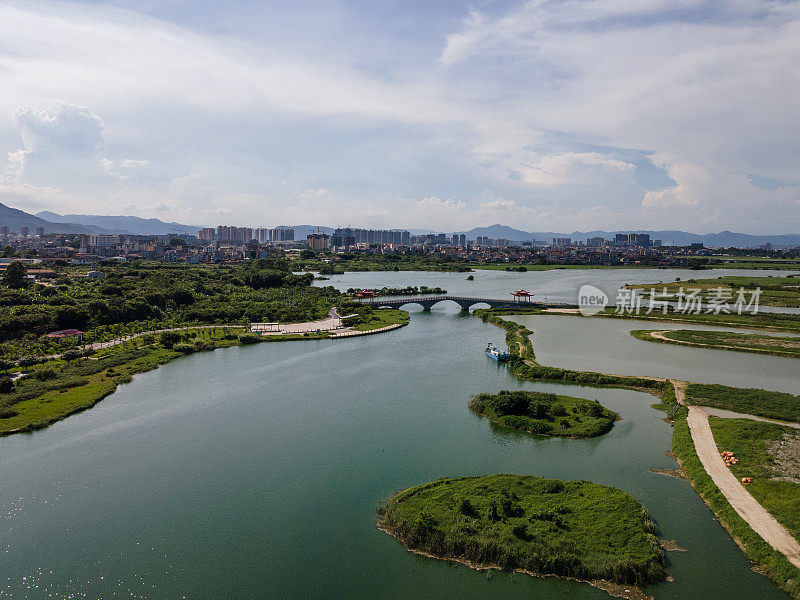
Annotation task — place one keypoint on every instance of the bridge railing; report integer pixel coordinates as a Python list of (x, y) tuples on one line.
[(471, 299)]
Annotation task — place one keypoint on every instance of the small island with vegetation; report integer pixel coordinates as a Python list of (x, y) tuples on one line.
[(575, 529), (545, 414)]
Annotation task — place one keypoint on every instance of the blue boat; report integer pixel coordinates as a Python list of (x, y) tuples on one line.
[(494, 352)]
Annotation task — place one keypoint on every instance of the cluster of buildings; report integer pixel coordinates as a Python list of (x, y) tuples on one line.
[(233, 244), (23, 233), (246, 235)]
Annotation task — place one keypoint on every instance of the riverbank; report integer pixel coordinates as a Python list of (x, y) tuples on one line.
[(769, 560), (737, 342), (542, 527), (57, 388)]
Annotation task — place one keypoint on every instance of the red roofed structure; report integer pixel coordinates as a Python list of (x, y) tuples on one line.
[(522, 296)]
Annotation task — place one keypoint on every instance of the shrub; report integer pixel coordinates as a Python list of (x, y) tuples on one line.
[(6, 386), (169, 338), (71, 355), (249, 338), (183, 348), (28, 361), (45, 374)]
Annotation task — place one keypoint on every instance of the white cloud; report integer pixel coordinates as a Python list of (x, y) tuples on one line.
[(543, 105)]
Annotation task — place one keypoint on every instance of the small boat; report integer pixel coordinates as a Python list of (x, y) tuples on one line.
[(494, 352)]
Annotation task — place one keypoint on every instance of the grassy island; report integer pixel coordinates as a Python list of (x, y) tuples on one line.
[(573, 529), (545, 414), (724, 340)]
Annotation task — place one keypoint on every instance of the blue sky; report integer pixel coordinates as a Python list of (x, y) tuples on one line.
[(542, 115)]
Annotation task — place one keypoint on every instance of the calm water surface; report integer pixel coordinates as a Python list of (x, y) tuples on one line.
[(255, 472), (557, 285)]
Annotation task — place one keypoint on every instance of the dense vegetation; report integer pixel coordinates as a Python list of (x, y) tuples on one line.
[(770, 562), (56, 379), (381, 262), (543, 526), (763, 403), (725, 340), (156, 296), (545, 414), (409, 290), (754, 443)]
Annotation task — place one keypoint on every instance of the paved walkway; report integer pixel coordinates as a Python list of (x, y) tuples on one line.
[(762, 522)]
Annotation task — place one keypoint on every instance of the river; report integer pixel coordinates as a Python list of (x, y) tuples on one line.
[(254, 472)]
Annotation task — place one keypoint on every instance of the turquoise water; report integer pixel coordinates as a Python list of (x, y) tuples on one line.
[(255, 472)]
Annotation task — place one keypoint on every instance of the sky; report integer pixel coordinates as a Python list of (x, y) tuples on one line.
[(548, 115)]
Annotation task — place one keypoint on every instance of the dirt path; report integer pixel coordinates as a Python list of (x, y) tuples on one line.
[(729, 414), (763, 523), (660, 335)]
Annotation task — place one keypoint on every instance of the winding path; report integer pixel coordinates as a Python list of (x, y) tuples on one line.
[(761, 521)]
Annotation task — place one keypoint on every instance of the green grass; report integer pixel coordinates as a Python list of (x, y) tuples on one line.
[(57, 403), (548, 267), (382, 317), (775, 291), (545, 414), (543, 526), (750, 441), (769, 404), (775, 321), (759, 262), (763, 403), (768, 560), (725, 340), (75, 386)]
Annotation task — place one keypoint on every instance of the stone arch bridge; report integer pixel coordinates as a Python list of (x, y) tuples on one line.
[(465, 302)]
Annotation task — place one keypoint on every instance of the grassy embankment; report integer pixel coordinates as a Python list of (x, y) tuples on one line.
[(724, 340), (759, 402), (768, 561), (762, 403), (547, 267), (775, 291), (769, 321), (768, 454), (759, 262), (541, 526), (382, 317), (545, 414), (56, 389), (522, 362), (762, 320)]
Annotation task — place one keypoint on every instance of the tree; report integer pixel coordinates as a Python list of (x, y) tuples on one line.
[(6, 385), (15, 275)]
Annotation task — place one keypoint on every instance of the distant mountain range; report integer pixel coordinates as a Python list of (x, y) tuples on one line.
[(667, 237), (55, 223), (121, 224), (15, 218)]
